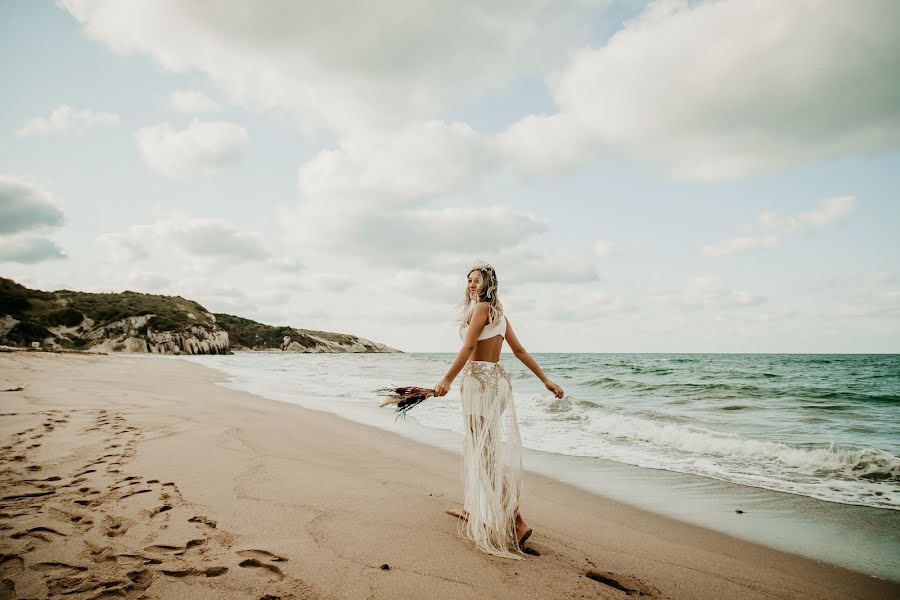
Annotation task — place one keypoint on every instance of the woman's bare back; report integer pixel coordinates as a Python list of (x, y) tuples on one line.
[(488, 349)]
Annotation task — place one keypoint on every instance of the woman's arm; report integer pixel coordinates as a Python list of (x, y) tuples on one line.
[(520, 353), (476, 326)]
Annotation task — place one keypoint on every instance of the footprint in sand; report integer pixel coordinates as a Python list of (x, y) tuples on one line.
[(626, 583), (134, 493), (115, 527), (261, 554), (11, 563), (188, 571), (203, 519), (188, 548), (160, 509), (40, 533), (251, 563)]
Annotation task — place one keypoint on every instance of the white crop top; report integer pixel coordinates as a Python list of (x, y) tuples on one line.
[(498, 327)]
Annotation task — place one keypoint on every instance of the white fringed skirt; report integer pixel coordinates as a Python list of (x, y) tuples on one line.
[(492, 459)]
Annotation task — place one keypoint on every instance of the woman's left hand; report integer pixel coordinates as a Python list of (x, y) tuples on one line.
[(442, 388)]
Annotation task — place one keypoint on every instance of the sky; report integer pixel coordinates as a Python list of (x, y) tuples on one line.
[(664, 176)]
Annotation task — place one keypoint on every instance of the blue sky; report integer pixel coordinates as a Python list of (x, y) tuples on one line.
[(603, 156)]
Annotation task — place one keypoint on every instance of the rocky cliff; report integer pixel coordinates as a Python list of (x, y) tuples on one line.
[(124, 322), (135, 322), (250, 335)]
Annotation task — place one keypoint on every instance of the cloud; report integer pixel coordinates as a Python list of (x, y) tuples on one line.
[(521, 264), (771, 228), (193, 101), (584, 307), (370, 198), (349, 67), (706, 293), (877, 305), (201, 238), (216, 238), (29, 249), (605, 248), (25, 207), (725, 89), (406, 238), (202, 147), (65, 119), (740, 245), (832, 212), (147, 281), (121, 248), (399, 168)]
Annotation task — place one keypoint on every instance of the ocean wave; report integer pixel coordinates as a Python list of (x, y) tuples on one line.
[(725, 390), (871, 463)]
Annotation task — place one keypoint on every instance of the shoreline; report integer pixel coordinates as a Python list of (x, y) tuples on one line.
[(864, 542), (334, 498)]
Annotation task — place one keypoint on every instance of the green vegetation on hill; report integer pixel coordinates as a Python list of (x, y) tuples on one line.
[(170, 313), (250, 334), (37, 311)]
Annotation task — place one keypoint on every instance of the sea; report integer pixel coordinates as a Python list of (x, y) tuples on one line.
[(796, 451)]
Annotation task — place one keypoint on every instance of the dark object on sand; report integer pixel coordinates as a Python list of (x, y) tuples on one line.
[(385, 567), (738, 511), (16, 389)]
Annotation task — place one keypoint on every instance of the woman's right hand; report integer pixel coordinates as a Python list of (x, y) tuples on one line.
[(557, 391), (442, 388)]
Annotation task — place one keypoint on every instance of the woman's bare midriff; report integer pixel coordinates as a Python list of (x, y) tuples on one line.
[(488, 349)]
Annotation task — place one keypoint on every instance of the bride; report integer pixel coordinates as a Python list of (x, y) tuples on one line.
[(492, 453)]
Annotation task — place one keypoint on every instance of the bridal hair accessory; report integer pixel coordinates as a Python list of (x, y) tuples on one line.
[(405, 398), (488, 278)]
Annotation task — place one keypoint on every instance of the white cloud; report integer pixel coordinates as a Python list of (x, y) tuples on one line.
[(369, 199), (706, 293), (65, 119), (880, 304), (740, 245), (209, 237), (521, 264), (25, 207), (203, 147), (405, 238), (148, 281), (772, 228), (832, 212), (349, 66), (581, 307), (122, 248), (724, 89), (193, 101), (28, 249), (879, 279), (603, 248), (214, 239), (398, 168)]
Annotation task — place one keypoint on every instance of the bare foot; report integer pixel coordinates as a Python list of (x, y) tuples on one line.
[(459, 513), (523, 531)]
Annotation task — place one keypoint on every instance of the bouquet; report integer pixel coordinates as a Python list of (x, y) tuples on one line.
[(405, 397)]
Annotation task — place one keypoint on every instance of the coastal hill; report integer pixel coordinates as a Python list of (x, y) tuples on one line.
[(136, 322)]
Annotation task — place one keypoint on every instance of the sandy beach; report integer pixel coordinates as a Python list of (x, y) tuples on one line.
[(140, 477)]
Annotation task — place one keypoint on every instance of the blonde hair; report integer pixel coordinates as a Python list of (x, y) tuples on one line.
[(486, 292)]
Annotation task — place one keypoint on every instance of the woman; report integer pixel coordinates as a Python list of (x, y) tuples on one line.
[(492, 454)]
